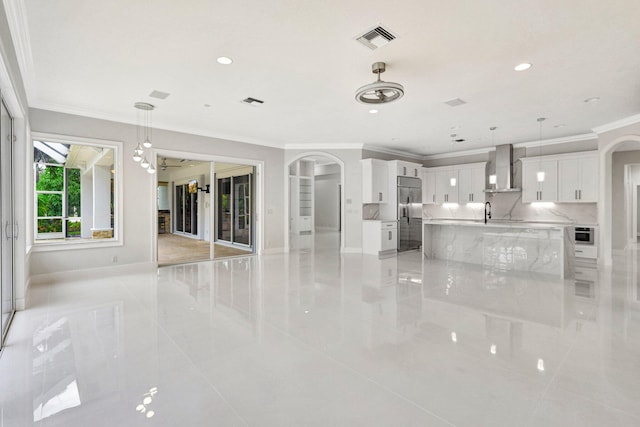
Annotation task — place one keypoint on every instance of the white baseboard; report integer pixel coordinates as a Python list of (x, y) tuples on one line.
[(90, 273)]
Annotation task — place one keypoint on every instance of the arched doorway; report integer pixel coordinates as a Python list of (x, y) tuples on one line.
[(610, 190), (314, 202)]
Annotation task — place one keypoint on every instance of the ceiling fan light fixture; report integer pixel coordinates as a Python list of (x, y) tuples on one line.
[(379, 92)]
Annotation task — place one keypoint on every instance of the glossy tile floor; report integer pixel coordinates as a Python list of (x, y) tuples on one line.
[(318, 339)]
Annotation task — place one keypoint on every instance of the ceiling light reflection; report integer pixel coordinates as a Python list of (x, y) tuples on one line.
[(454, 337), (493, 349), (540, 365)]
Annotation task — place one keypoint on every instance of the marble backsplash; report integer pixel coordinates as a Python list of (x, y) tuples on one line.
[(510, 206)]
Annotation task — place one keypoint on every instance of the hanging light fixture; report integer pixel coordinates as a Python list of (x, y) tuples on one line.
[(540, 173), (452, 181), (144, 135), (379, 92), (493, 178)]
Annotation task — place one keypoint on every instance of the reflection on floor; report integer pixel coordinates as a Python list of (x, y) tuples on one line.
[(176, 249), (318, 338)]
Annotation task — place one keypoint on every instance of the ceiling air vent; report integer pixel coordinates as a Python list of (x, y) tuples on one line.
[(252, 101), (376, 38), (158, 94), (455, 102)]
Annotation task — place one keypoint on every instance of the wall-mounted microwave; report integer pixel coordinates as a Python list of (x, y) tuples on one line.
[(585, 235)]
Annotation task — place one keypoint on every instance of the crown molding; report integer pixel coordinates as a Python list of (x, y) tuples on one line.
[(627, 121), (392, 151), (327, 146), (554, 141), (129, 119), (459, 153), (19, 29)]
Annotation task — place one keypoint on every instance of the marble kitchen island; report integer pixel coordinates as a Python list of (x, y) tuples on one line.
[(536, 247)]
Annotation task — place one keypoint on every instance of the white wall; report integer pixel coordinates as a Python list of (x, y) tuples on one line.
[(139, 188)]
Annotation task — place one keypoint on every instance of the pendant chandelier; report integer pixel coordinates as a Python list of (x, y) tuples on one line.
[(143, 135), (540, 174)]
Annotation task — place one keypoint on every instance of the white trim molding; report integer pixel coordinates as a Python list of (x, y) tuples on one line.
[(631, 120), (554, 141), (459, 153), (19, 29), (327, 146), (392, 151)]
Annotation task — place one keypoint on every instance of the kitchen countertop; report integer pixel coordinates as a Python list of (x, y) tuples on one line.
[(498, 223)]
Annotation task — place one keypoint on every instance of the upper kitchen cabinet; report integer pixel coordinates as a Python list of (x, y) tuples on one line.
[(447, 185), (407, 169), (578, 178), (375, 181), (537, 188), (428, 187), (471, 182)]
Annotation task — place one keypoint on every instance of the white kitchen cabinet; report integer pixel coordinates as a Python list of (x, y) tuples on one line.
[(379, 237), (532, 189), (445, 192), (428, 187), (375, 181), (408, 169), (578, 179), (471, 184)]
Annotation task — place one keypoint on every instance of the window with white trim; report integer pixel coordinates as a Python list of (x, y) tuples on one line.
[(74, 191)]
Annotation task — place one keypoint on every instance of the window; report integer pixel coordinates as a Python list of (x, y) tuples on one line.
[(75, 190)]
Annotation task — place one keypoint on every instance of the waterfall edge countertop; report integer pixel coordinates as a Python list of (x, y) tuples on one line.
[(499, 223), (534, 247)]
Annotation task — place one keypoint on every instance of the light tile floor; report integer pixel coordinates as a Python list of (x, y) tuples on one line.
[(318, 339)]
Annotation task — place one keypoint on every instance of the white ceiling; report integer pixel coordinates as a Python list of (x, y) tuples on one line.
[(98, 58)]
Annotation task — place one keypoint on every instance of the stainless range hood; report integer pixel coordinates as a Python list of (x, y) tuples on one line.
[(504, 170)]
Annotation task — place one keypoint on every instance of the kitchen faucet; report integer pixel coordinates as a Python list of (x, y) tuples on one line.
[(487, 212)]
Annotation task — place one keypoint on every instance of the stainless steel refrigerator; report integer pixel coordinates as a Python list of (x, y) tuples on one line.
[(409, 213)]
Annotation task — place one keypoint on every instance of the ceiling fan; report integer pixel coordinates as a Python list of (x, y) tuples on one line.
[(164, 165)]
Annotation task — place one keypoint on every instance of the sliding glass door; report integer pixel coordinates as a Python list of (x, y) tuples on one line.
[(235, 222), (9, 227)]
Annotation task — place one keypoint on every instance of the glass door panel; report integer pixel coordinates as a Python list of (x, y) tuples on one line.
[(224, 209), (9, 229), (188, 210), (242, 209), (179, 212)]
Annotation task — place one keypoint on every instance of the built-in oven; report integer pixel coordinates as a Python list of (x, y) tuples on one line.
[(585, 235)]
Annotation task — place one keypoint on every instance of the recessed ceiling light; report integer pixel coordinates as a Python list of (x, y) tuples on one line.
[(224, 60), (592, 99), (207, 105), (373, 111), (522, 67)]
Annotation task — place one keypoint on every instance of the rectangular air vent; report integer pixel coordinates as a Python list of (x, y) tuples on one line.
[(158, 94), (252, 101), (375, 38), (455, 102)]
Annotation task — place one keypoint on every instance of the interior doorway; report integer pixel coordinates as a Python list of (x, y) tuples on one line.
[(315, 203), (205, 210)]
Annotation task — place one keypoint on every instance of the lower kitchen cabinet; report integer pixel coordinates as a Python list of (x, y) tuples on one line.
[(379, 237)]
